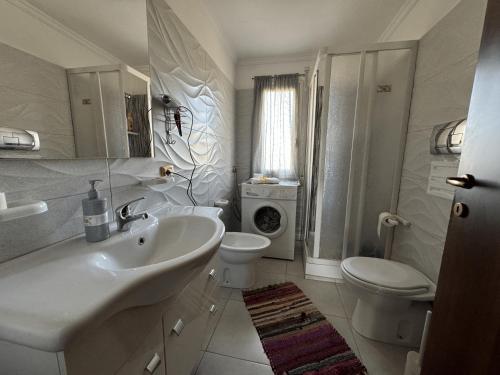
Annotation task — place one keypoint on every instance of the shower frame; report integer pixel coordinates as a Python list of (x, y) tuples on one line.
[(329, 269)]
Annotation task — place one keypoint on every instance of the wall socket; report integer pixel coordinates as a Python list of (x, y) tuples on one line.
[(166, 170)]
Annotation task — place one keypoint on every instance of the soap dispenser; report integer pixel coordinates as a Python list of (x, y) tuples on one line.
[(95, 215)]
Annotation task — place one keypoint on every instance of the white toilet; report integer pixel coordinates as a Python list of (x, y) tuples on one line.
[(392, 299), (237, 256)]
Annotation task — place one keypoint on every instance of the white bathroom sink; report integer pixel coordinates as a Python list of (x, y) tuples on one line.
[(52, 295), (158, 242)]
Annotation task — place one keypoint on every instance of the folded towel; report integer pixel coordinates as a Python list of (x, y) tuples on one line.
[(264, 180)]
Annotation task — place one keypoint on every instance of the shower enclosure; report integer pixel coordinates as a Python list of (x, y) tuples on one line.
[(358, 116)]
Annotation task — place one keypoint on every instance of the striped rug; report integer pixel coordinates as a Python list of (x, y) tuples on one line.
[(296, 337)]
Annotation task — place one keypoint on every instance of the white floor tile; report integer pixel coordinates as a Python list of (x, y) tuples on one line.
[(235, 348), (380, 358), (269, 265), (262, 279), (195, 368), (295, 268), (215, 364), (265, 279), (349, 299), (325, 296), (236, 295), (235, 335)]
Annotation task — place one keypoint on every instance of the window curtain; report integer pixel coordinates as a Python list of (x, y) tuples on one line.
[(275, 121)]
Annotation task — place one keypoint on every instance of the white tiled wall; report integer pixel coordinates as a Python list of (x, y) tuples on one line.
[(179, 67), (62, 184), (443, 85)]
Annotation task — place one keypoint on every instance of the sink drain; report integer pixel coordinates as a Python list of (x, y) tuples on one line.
[(141, 241)]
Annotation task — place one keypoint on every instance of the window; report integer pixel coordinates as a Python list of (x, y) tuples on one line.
[(278, 132), (275, 126)]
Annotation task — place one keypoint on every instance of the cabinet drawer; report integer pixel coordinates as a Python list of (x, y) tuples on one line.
[(105, 349), (183, 349), (197, 297), (150, 353)]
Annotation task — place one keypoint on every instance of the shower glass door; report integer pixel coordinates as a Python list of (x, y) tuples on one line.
[(360, 150)]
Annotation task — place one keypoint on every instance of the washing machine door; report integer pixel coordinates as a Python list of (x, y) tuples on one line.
[(269, 219)]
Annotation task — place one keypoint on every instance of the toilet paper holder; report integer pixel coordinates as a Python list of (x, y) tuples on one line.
[(390, 220)]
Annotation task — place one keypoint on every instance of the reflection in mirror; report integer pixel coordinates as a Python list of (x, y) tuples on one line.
[(48, 111), (109, 106)]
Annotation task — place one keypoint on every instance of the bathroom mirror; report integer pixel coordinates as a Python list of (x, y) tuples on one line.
[(52, 110)]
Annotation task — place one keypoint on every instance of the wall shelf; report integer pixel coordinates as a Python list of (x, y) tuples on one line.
[(18, 211)]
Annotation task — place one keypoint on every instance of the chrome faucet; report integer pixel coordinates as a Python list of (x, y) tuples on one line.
[(125, 218)]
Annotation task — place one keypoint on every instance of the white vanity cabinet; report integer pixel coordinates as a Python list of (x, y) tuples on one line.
[(137, 341), (149, 358), (186, 321)]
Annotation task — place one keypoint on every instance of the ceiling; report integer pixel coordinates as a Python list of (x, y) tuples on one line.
[(118, 26), (253, 28), (261, 28)]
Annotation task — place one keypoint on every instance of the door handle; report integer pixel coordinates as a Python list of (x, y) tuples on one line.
[(466, 181)]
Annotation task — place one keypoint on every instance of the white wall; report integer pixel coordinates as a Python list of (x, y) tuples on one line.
[(27, 28), (246, 69), (416, 18), (443, 84), (198, 21)]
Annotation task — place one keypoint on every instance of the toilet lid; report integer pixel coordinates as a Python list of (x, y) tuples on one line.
[(385, 273)]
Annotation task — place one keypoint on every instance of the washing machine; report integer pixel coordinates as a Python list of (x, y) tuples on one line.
[(269, 210)]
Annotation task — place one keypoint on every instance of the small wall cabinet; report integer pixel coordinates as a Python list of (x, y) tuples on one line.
[(110, 112), (143, 340)]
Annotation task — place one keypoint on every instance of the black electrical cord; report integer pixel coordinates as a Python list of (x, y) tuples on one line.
[(190, 185), (186, 178)]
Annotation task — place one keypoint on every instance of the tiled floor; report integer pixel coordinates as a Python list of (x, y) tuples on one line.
[(232, 345)]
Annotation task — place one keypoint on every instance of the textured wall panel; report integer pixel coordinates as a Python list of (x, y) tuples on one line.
[(443, 84), (179, 67)]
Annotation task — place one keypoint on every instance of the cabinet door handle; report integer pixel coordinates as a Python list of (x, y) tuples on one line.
[(153, 364), (212, 309), (212, 274), (178, 327)]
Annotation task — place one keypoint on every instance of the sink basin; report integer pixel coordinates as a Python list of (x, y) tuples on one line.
[(158, 242), (76, 285)]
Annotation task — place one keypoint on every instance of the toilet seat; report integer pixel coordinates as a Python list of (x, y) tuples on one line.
[(385, 276)]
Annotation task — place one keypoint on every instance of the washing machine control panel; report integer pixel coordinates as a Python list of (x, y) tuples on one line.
[(268, 191)]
